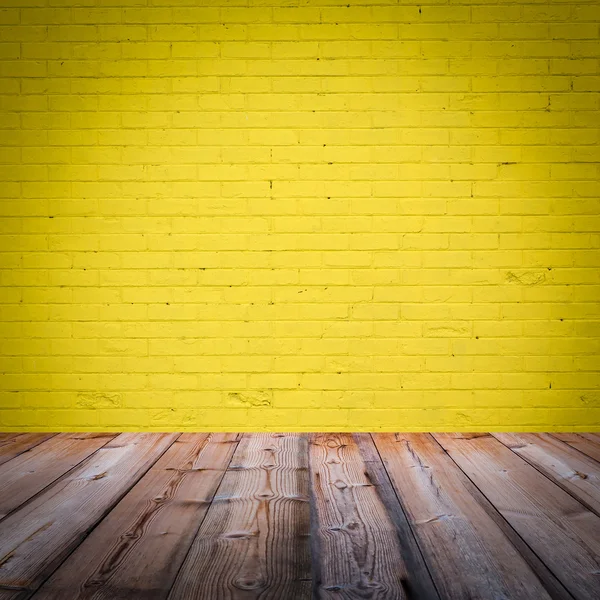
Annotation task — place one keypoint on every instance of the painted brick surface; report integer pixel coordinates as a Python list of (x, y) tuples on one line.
[(273, 214)]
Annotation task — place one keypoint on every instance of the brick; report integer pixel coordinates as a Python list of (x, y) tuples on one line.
[(278, 217)]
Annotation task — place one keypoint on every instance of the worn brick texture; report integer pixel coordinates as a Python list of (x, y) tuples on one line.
[(299, 215)]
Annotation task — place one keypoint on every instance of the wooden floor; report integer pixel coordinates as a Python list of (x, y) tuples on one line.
[(278, 516)]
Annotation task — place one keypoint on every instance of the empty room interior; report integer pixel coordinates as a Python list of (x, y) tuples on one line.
[(299, 299)]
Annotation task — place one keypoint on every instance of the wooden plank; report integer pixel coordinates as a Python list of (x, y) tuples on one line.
[(418, 580), (142, 543), (6, 440), (253, 541), (468, 553), (7, 594), (462, 435), (562, 532), (36, 538), (570, 469), (32, 471), (585, 445), (355, 544), (13, 446)]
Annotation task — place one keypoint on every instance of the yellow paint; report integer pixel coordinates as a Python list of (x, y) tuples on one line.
[(266, 214)]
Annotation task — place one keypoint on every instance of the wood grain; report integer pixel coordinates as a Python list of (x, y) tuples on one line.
[(32, 471), (6, 594), (418, 584), (253, 541), (586, 445), (357, 554), (36, 538), (142, 543), (468, 553), (487, 516), (570, 469), (17, 444), (562, 532)]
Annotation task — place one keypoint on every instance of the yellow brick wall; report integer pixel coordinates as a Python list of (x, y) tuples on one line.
[(299, 214)]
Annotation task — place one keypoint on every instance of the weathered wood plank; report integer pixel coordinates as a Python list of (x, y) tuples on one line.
[(142, 543), (356, 550), (253, 541), (570, 469), (32, 471), (16, 445), (468, 553), (7, 439), (463, 435), (580, 442), (36, 538), (560, 530), (7, 594), (419, 584)]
